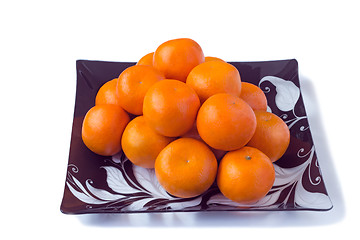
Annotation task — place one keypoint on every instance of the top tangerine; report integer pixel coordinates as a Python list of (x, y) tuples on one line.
[(176, 58)]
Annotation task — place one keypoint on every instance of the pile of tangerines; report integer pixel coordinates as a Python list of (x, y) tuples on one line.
[(191, 118)]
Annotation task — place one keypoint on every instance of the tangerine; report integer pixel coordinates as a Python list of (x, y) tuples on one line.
[(186, 168), (107, 94), (176, 58), (102, 128), (254, 96), (214, 77), (141, 144), (132, 85), (272, 135), (170, 107), (226, 122), (146, 59), (207, 59), (245, 175)]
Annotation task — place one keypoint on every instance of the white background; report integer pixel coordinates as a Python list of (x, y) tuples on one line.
[(41, 40)]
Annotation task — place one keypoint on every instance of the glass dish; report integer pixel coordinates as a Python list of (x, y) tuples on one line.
[(97, 184)]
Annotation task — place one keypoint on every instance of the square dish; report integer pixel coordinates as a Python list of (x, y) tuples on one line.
[(98, 184)]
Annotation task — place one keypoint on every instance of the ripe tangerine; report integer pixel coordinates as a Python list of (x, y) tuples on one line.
[(214, 77), (226, 122), (186, 168), (146, 59), (245, 175), (102, 128), (170, 107), (176, 58), (272, 135), (132, 85), (107, 93), (254, 96), (141, 144)]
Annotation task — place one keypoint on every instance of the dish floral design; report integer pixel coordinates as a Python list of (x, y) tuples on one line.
[(118, 186)]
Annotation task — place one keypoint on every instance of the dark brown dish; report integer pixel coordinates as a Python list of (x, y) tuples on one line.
[(97, 184)]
